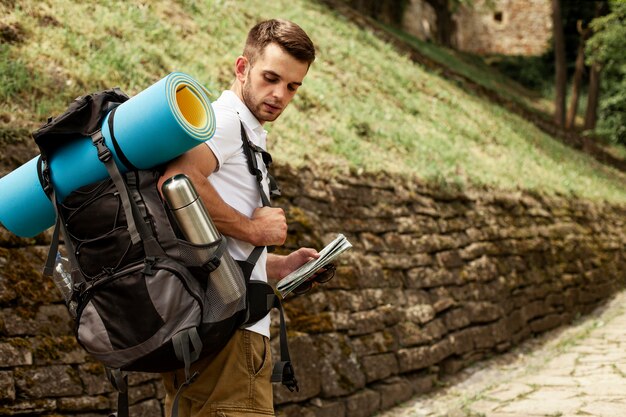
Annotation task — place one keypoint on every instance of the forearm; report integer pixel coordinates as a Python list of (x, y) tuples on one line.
[(228, 221), (273, 267), (197, 164)]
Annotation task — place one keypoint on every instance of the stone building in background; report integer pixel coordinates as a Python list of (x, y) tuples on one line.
[(509, 27)]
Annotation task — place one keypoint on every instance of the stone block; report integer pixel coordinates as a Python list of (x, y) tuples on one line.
[(94, 379), (15, 352), (341, 371), (450, 259), (294, 410), (419, 313), (411, 359), (482, 269), (324, 408), (57, 350), (363, 404), (393, 392), (375, 320), (455, 319), (148, 408), (432, 277), (548, 322), (28, 407), (81, 404), (7, 386), (139, 393), (47, 381), (51, 319), (7, 292), (481, 312), (379, 367), (378, 342), (422, 383), (139, 378), (406, 260)]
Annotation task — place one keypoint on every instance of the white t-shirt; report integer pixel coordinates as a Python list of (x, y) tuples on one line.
[(232, 179)]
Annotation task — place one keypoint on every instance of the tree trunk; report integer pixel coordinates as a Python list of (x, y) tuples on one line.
[(591, 115), (445, 23), (560, 64), (578, 77), (593, 98)]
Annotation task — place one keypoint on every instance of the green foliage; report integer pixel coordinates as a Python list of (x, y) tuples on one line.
[(14, 76), (534, 72), (607, 47)]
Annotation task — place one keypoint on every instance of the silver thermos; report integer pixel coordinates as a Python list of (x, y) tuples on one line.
[(227, 280)]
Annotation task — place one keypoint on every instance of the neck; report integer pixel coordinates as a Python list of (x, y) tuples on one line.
[(237, 88)]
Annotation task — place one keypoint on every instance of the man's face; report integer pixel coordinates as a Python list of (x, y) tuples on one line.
[(272, 82)]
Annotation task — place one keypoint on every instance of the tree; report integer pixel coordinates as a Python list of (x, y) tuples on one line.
[(570, 122), (606, 51), (560, 64)]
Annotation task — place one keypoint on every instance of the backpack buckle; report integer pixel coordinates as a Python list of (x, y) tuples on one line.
[(104, 153), (148, 264), (46, 178)]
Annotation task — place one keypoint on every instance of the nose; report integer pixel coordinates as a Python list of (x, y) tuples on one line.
[(280, 92)]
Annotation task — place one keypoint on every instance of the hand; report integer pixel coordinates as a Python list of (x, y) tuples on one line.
[(270, 226), (279, 267)]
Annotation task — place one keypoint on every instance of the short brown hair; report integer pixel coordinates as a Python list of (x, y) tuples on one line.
[(289, 36)]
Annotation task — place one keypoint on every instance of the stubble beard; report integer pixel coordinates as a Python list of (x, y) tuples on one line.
[(255, 105)]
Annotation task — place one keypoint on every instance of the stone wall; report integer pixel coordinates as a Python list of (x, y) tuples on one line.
[(509, 27), (437, 279)]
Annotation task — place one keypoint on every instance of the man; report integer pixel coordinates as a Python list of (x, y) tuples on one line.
[(276, 58)]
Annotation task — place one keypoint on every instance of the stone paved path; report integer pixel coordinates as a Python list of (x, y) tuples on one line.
[(572, 372)]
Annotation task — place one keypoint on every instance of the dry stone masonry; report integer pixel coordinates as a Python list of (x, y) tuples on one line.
[(437, 279)]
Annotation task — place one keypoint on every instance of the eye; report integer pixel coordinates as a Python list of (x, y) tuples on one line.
[(270, 79), (292, 87)]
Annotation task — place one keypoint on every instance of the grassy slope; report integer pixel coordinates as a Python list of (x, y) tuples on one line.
[(363, 106)]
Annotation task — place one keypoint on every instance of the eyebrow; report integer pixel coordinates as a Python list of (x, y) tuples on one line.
[(270, 72)]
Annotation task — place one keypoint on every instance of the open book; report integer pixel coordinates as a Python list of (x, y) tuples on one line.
[(306, 271)]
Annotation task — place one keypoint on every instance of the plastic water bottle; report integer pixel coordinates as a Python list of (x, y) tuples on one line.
[(62, 278)]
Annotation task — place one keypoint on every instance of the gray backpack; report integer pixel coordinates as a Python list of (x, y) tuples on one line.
[(142, 295)]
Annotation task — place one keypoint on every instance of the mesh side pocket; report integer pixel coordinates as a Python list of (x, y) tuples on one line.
[(225, 292), (195, 255)]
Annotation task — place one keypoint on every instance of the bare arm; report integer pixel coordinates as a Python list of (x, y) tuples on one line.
[(267, 226)]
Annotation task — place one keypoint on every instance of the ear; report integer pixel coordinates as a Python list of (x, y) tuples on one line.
[(241, 68)]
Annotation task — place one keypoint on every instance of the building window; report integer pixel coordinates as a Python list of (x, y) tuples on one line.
[(497, 16)]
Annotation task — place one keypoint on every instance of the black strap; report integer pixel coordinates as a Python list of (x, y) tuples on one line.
[(137, 228), (261, 296), (118, 151), (261, 299), (183, 341), (184, 353), (248, 150), (119, 381), (106, 157), (283, 370), (76, 274)]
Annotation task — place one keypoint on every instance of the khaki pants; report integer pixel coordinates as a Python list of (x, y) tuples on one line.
[(233, 383)]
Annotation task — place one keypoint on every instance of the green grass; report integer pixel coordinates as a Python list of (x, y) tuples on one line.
[(363, 105)]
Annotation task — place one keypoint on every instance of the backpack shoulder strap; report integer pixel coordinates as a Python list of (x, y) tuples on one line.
[(261, 295), (261, 299), (249, 150)]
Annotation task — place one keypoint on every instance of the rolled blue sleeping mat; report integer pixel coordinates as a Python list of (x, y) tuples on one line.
[(155, 126)]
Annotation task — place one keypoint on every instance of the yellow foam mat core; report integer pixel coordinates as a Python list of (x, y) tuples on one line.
[(191, 107)]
